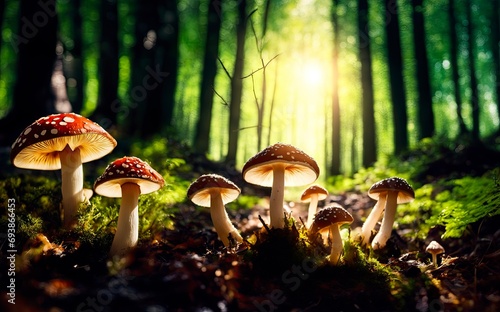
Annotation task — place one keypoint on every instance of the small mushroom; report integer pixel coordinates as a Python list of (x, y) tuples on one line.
[(434, 248), (128, 178), (214, 191), (63, 141), (332, 218), (280, 165), (313, 194), (390, 192)]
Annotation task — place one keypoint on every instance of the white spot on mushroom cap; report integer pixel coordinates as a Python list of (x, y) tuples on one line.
[(68, 119), (53, 131), (28, 130)]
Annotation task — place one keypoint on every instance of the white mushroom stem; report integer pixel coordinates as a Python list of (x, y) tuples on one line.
[(72, 184), (276, 212), (387, 222), (434, 259), (371, 220), (312, 210), (127, 228), (220, 219), (337, 244)]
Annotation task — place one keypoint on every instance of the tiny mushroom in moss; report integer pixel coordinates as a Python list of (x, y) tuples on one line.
[(331, 218), (127, 177), (280, 165), (63, 141), (313, 194), (434, 248), (389, 192), (214, 191)]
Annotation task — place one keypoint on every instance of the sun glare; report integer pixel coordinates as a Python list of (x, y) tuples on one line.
[(312, 74)]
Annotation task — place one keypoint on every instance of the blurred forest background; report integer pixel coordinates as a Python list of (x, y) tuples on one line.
[(347, 81)]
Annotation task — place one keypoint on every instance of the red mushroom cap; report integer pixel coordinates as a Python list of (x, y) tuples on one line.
[(301, 169), (128, 170), (405, 191), (314, 189), (199, 191), (38, 145)]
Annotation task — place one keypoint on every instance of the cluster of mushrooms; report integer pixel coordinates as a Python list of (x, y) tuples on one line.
[(67, 140), (281, 165)]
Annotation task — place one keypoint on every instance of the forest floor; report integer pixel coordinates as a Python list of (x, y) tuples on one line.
[(188, 269)]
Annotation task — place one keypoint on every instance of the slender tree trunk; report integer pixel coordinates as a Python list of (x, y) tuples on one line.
[(271, 107), (2, 14), (73, 68), (142, 57), (160, 81), (495, 50), (395, 61), (170, 38), (369, 133), (336, 141), (202, 136), (107, 108), (472, 73), (35, 46), (237, 84), (454, 66), (424, 93)]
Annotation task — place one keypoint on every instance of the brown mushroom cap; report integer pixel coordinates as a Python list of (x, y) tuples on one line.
[(128, 170), (38, 145), (331, 215), (199, 191), (300, 168), (314, 189), (434, 248), (405, 191)]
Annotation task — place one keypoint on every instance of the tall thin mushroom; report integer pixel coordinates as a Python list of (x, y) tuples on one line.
[(128, 178), (313, 194), (214, 191), (63, 141), (280, 165), (396, 191)]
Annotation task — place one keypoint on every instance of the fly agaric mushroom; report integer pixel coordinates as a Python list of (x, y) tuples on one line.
[(280, 165), (127, 177), (332, 218), (393, 191), (214, 191), (63, 141), (313, 194), (434, 248)]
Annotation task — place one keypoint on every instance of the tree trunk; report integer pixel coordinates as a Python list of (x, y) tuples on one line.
[(495, 50), (162, 72), (237, 84), (472, 72), (336, 141), (107, 107), (369, 133), (454, 66), (73, 67), (202, 136), (397, 85), (35, 45), (425, 113), (142, 56)]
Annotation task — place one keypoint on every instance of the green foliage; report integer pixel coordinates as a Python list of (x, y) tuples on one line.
[(468, 200)]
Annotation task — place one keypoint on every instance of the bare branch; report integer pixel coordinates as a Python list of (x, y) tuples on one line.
[(224, 102), (224, 67), (261, 68)]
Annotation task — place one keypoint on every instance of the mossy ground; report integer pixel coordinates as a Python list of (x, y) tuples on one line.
[(181, 265)]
